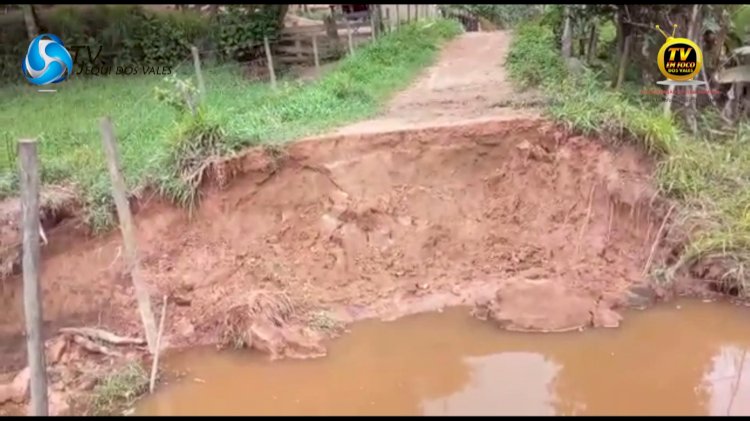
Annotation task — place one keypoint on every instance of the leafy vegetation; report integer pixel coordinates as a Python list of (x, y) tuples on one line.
[(159, 141), (708, 172), (132, 35), (502, 15)]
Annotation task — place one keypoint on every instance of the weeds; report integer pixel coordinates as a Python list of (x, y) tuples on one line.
[(711, 177), (119, 390), (162, 148), (323, 321)]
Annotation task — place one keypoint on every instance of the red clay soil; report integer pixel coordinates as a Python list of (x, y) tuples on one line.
[(538, 230), (376, 225)]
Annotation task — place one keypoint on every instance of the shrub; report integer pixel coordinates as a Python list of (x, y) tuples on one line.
[(131, 35), (533, 58), (502, 15)]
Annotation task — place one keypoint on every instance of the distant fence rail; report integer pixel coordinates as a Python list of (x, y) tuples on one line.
[(296, 46)]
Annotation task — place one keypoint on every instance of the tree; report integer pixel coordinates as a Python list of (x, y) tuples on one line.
[(30, 18)]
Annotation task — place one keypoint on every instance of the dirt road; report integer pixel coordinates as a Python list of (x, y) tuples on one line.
[(467, 82), (449, 197)]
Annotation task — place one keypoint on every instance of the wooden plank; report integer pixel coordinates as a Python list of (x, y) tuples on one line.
[(307, 30), (298, 51), (32, 296), (287, 60), (297, 30), (734, 75), (357, 25), (298, 48)]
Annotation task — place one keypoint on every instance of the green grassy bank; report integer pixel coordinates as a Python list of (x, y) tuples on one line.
[(710, 176), (236, 114)]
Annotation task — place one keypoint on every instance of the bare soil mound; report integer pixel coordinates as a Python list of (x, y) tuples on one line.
[(377, 225)]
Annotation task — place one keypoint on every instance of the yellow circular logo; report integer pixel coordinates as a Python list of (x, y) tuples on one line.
[(679, 59)]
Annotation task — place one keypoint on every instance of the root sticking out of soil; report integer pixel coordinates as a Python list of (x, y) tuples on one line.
[(55, 204)]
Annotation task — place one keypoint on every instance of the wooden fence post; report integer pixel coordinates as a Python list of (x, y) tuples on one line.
[(315, 54), (349, 37), (379, 16), (32, 299), (408, 13), (416, 13), (387, 25), (373, 24), (298, 48), (269, 58), (199, 73), (127, 228), (398, 16)]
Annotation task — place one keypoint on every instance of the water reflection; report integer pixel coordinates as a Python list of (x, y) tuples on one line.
[(493, 390), (664, 361), (728, 384)]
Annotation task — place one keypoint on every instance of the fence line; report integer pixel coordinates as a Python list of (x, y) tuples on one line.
[(310, 45)]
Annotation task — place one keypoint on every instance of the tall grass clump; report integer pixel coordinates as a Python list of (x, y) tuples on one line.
[(119, 390), (532, 59), (711, 177)]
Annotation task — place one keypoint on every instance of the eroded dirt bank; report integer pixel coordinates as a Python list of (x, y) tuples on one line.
[(544, 232)]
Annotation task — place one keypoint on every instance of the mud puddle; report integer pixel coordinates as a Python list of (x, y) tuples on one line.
[(678, 358)]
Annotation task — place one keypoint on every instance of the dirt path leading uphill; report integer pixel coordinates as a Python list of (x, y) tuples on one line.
[(468, 82), (448, 198)]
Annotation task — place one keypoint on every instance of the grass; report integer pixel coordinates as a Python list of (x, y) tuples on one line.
[(323, 321), (119, 390), (237, 113), (709, 174)]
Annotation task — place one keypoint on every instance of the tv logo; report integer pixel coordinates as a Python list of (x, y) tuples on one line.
[(47, 61)]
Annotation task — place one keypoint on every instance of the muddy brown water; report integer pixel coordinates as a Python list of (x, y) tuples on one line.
[(686, 358)]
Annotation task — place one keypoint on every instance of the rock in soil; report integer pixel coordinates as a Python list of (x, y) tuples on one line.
[(540, 305)]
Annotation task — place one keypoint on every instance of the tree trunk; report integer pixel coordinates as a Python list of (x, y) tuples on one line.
[(582, 46), (624, 58), (593, 38), (381, 22), (567, 36), (620, 37), (713, 61), (693, 30), (29, 16)]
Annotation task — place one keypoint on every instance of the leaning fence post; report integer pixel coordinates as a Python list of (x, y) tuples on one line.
[(32, 300), (398, 16), (269, 59), (199, 73), (315, 54), (127, 228)]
